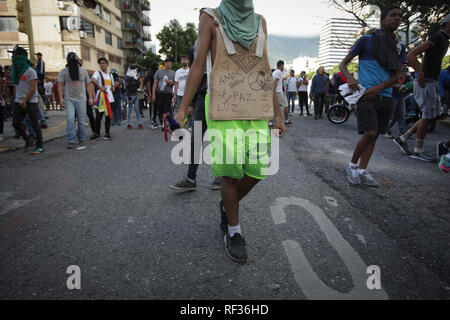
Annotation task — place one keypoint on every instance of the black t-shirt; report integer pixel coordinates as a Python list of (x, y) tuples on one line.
[(432, 62)]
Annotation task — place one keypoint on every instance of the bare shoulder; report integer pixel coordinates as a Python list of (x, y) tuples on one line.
[(207, 23), (264, 23)]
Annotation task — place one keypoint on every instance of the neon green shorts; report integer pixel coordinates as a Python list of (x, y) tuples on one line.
[(238, 147)]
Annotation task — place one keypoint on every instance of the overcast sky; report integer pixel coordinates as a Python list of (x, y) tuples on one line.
[(284, 17)]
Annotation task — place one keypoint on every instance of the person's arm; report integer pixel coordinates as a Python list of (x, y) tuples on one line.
[(30, 93), (175, 89), (62, 102), (155, 86), (414, 62), (149, 90), (198, 67), (96, 85), (352, 82), (313, 86)]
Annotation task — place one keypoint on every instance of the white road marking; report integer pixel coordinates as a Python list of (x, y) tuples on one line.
[(306, 278)]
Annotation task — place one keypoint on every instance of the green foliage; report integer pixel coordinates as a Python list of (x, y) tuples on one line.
[(177, 41), (446, 62), (147, 60)]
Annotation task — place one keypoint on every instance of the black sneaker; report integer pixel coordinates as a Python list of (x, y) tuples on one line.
[(185, 185), (108, 137), (235, 248), (95, 136), (71, 145), (442, 150), (223, 219), (402, 145), (423, 156), (28, 146)]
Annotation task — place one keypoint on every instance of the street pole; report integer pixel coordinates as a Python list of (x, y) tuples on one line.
[(27, 4)]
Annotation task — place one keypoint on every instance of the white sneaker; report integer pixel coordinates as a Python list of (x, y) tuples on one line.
[(367, 179), (353, 175)]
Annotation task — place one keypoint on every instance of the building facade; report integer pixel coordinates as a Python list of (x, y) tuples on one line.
[(114, 29), (337, 36), (136, 28)]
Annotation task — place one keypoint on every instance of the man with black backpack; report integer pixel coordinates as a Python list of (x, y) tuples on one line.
[(103, 82)]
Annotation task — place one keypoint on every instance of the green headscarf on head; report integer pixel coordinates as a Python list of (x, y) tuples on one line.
[(19, 66), (240, 21)]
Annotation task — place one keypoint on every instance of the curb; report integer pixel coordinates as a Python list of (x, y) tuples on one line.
[(4, 149)]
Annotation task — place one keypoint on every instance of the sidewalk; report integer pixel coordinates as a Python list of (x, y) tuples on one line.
[(56, 129)]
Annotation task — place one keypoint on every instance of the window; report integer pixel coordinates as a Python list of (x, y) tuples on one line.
[(100, 55), (87, 27), (68, 49), (108, 38), (8, 24), (106, 16), (119, 43), (118, 24), (85, 53)]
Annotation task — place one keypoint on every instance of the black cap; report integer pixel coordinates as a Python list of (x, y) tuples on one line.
[(72, 56), (19, 50)]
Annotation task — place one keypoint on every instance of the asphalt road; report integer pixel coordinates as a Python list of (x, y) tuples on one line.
[(108, 209)]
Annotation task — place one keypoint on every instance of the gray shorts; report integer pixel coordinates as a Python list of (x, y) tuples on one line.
[(282, 100), (428, 99)]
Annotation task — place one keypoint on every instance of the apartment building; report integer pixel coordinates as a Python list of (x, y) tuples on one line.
[(91, 28), (135, 26), (337, 35)]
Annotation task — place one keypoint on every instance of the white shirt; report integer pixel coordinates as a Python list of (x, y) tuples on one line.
[(108, 83), (278, 74), (181, 77), (302, 88), (48, 88), (292, 84)]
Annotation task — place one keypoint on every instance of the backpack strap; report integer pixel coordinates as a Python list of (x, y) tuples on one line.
[(101, 77), (229, 45)]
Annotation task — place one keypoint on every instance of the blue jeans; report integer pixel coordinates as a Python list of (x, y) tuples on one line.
[(177, 104), (78, 109), (117, 109), (291, 96), (412, 104), (134, 104)]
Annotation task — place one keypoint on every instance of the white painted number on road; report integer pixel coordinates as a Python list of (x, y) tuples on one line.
[(306, 278), (74, 281)]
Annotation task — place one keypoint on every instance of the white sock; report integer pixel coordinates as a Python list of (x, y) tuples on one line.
[(352, 165), (190, 180), (361, 171), (233, 230)]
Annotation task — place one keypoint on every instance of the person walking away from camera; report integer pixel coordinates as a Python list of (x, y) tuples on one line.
[(25, 80), (104, 82), (426, 89), (131, 87), (381, 60), (73, 82), (180, 82), (236, 23)]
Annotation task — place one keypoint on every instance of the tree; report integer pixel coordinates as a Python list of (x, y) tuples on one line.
[(175, 40), (420, 18), (147, 60)]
